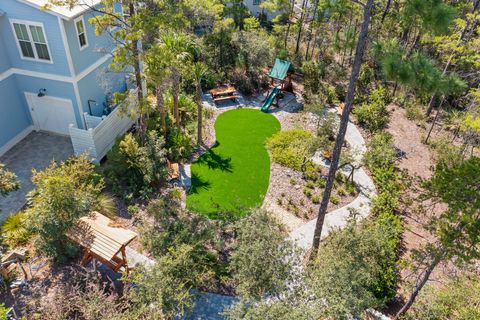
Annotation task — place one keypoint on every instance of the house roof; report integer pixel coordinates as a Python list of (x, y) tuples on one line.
[(63, 12)]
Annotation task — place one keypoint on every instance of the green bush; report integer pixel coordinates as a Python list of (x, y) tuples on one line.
[(307, 192), (310, 185), (458, 299), (313, 72), (179, 145), (414, 112), (311, 171), (334, 199), (134, 169), (316, 199), (13, 230), (329, 92), (63, 193), (291, 148), (380, 151), (380, 159), (373, 115)]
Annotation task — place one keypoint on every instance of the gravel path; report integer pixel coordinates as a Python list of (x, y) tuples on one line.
[(303, 235)]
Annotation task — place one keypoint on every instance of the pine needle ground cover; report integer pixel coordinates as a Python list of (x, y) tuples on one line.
[(233, 175)]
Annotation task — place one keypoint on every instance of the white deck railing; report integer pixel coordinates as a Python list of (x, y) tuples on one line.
[(101, 133)]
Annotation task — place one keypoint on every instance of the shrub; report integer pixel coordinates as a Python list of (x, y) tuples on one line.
[(341, 192), (321, 183), (8, 181), (311, 171), (290, 148), (326, 132), (133, 168), (63, 193), (179, 145), (310, 185), (334, 199), (172, 227), (414, 112), (313, 72), (380, 151), (316, 199), (13, 230), (373, 115), (255, 273), (350, 187), (106, 205), (307, 192), (458, 299), (175, 194)]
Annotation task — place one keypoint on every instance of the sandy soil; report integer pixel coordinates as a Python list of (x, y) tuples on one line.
[(416, 157)]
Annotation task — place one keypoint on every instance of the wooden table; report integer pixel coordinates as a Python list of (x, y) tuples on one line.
[(224, 93), (102, 240)]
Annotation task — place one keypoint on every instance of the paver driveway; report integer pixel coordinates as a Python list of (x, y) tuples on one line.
[(36, 150)]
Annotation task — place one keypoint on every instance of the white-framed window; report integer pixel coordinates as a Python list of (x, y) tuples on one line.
[(31, 40), (81, 32)]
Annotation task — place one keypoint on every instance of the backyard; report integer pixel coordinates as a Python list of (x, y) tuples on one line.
[(233, 176), (290, 160)]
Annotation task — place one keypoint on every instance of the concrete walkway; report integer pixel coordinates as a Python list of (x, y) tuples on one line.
[(303, 235), (36, 150)]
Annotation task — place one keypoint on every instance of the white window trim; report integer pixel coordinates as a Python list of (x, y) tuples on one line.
[(84, 32), (31, 23)]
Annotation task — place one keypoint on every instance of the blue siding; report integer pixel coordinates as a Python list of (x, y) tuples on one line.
[(14, 114), (96, 86), (16, 10), (98, 46), (4, 60), (54, 89)]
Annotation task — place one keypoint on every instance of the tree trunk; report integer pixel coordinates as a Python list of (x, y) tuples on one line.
[(362, 40), (138, 79), (421, 281), (434, 121), (315, 9), (290, 16), (161, 109), (385, 12), (200, 113), (302, 17), (462, 35), (175, 92)]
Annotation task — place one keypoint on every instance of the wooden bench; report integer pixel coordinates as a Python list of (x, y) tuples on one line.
[(224, 93), (221, 98)]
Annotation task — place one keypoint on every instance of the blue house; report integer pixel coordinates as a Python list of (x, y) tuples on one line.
[(53, 69)]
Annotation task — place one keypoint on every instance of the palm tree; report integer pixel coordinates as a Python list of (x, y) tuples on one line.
[(199, 72), (362, 40), (157, 71), (180, 47)]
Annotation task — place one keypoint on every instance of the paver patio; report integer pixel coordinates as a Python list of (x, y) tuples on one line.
[(36, 150)]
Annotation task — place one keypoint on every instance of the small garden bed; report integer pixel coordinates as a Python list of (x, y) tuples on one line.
[(301, 197)]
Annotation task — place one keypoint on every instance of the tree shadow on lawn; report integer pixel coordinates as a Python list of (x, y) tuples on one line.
[(198, 184), (215, 161)]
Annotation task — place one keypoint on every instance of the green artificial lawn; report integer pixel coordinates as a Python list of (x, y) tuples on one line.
[(233, 176)]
